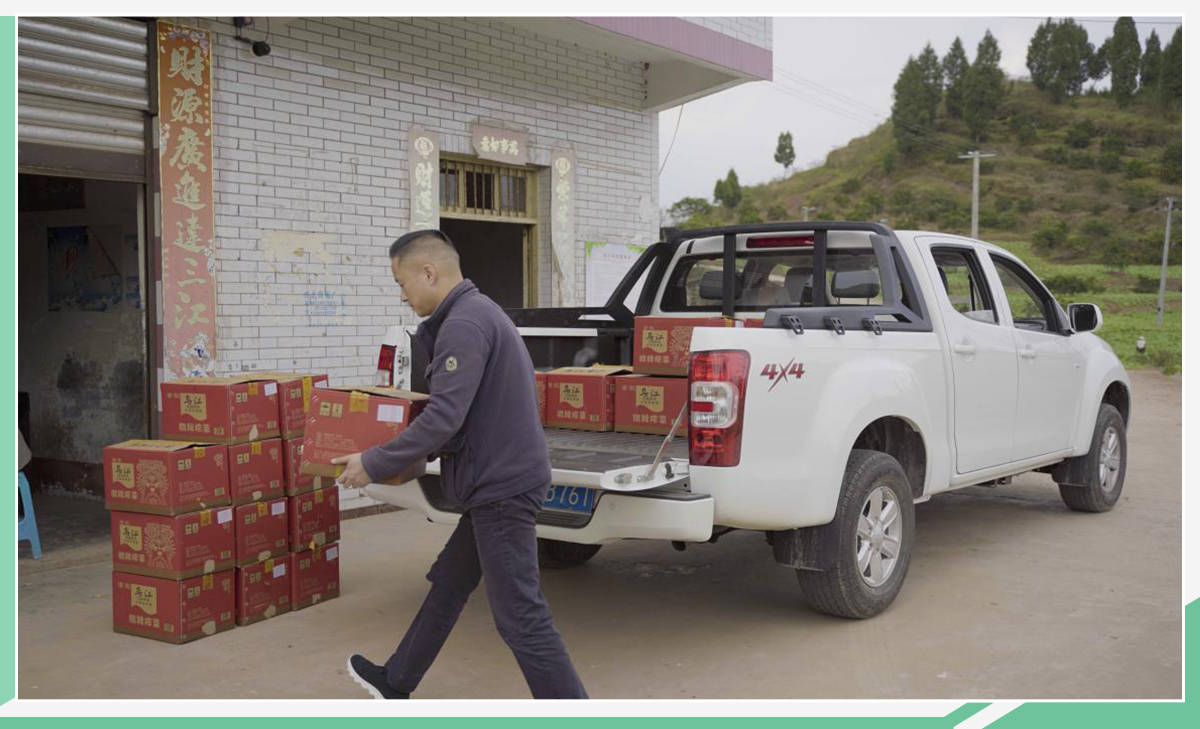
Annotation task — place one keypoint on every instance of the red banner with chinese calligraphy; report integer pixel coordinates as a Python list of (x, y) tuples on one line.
[(185, 156)]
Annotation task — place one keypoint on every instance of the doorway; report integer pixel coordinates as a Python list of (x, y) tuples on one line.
[(82, 375), (495, 256)]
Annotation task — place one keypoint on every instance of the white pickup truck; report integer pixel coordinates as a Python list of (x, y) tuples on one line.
[(891, 366)]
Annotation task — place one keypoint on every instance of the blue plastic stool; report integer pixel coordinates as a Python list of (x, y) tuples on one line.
[(27, 526)]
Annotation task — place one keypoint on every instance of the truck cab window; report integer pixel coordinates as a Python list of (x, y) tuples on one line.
[(1031, 305), (963, 281)]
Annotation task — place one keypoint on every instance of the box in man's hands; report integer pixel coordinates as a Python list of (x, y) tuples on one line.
[(342, 421)]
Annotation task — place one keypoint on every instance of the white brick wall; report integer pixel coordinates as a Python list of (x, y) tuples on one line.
[(756, 31), (313, 137)]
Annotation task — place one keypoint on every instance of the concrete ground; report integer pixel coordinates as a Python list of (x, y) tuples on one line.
[(1009, 595)]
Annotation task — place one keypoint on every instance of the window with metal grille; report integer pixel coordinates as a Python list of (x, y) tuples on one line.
[(474, 190)]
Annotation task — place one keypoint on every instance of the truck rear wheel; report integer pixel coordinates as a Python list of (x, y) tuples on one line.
[(871, 540), (553, 554), (1103, 466)]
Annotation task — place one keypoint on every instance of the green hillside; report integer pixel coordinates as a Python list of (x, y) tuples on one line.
[(1077, 190)]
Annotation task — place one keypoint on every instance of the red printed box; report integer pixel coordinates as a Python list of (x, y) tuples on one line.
[(662, 344), (314, 519), (581, 397), (261, 531), (315, 576), (165, 477), (264, 590), (173, 547), (256, 471), (540, 382), (221, 409), (295, 482), (170, 610), (345, 421), (646, 404), (295, 389)]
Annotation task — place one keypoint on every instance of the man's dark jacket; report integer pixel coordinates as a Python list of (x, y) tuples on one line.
[(482, 416)]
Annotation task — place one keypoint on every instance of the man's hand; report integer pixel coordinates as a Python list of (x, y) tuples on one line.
[(355, 475)]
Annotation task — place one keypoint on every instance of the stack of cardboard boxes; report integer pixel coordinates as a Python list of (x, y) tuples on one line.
[(201, 528), (605, 397)]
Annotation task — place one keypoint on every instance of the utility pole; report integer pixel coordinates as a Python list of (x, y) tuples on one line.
[(1162, 279), (975, 155), (805, 210)]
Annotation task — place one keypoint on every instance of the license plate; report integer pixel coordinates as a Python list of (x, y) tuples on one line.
[(570, 498)]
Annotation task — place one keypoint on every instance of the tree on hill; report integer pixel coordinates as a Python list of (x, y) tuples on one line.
[(688, 208), (911, 121), (1170, 89), (955, 66), (728, 191), (1060, 59), (785, 154), (1037, 56), (931, 80), (1151, 67), (983, 87), (1124, 54)]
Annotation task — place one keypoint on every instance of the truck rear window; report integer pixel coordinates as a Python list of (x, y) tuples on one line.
[(769, 279)]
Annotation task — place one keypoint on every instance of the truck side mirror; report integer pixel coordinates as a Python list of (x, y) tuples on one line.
[(1085, 317)]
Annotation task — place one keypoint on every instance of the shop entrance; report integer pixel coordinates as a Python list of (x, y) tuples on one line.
[(493, 256), (82, 376)]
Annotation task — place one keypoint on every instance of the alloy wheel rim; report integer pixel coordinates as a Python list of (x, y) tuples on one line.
[(1110, 459), (879, 536)]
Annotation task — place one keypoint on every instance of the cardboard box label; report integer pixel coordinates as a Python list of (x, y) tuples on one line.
[(279, 570), (331, 554), (389, 413), (655, 340), (269, 388), (571, 393), (307, 385), (145, 598), (122, 473), (331, 409), (131, 536), (194, 405), (359, 402), (649, 397), (224, 515), (278, 508)]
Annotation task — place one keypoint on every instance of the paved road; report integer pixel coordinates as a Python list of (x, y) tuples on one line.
[(1009, 595)]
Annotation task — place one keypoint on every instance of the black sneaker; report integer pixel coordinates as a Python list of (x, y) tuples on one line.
[(372, 678)]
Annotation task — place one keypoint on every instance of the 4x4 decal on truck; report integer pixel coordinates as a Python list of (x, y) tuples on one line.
[(777, 373)]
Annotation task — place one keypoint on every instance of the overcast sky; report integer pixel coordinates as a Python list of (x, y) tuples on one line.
[(833, 82)]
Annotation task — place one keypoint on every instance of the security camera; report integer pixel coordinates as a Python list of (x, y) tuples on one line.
[(260, 48)]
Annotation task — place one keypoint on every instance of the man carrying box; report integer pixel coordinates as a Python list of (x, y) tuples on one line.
[(482, 420)]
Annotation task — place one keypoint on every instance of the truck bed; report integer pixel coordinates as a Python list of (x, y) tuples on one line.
[(580, 450)]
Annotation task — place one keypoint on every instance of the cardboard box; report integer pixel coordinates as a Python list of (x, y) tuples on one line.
[(648, 404), (165, 477), (295, 482), (173, 547), (342, 421), (256, 471), (315, 576), (581, 397), (540, 380), (314, 519), (234, 409), (264, 590), (170, 610), (662, 344), (295, 388), (260, 531)]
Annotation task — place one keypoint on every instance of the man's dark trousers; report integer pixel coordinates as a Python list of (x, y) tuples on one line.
[(498, 541)]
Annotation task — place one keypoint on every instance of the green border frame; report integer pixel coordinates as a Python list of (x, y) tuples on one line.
[(1034, 714)]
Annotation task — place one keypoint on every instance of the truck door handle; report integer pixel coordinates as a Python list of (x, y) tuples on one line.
[(1028, 352), (967, 349)]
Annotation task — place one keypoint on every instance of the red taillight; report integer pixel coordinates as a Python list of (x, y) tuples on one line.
[(779, 241), (717, 399), (386, 372)]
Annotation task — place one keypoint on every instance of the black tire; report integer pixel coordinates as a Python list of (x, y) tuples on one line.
[(553, 554), (1096, 494), (841, 589)]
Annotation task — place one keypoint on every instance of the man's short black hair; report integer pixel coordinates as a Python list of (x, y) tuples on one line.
[(427, 240)]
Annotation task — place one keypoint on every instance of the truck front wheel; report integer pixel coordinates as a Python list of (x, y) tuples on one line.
[(553, 554), (1095, 482), (870, 540)]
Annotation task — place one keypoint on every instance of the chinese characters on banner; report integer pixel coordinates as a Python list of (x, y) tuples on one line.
[(185, 158)]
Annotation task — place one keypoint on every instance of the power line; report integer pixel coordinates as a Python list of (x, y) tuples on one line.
[(667, 156)]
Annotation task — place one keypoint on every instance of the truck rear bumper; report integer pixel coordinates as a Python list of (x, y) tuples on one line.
[(644, 515)]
